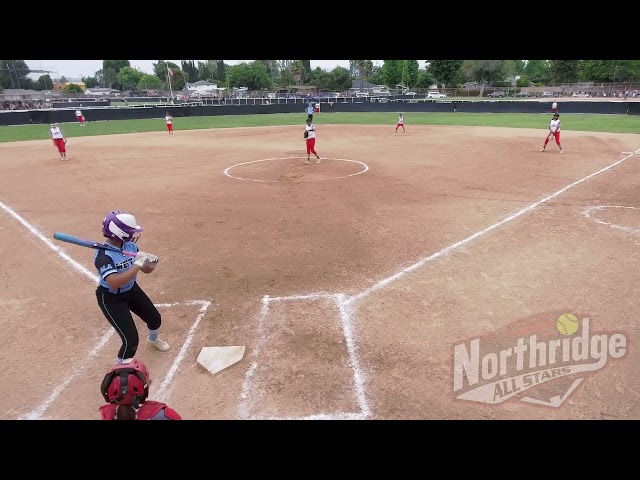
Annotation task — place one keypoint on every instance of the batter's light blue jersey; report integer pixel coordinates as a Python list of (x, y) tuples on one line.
[(108, 262)]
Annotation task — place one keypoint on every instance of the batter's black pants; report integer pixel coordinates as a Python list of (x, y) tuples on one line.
[(117, 308)]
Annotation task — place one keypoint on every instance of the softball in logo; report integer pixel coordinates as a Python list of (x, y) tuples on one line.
[(567, 324)]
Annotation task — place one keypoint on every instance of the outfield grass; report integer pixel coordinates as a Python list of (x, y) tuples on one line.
[(577, 122)]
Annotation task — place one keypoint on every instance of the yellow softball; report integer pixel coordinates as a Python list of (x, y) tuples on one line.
[(567, 324)]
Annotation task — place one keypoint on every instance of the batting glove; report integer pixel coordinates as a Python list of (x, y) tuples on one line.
[(141, 259)]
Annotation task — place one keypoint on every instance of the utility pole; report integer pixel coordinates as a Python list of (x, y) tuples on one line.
[(16, 72), (10, 77)]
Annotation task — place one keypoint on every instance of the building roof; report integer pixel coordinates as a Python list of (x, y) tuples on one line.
[(101, 89), (200, 83)]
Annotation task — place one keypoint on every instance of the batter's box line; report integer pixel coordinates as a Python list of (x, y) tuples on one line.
[(344, 311), (38, 412)]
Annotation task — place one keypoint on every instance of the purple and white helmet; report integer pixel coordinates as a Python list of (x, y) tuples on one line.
[(121, 225)]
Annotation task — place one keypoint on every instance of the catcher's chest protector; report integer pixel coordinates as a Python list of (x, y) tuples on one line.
[(147, 411)]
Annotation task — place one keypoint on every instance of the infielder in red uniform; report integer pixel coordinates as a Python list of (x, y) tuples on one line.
[(169, 121), (554, 131), (310, 140), (400, 124), (58, 140), (80, 118)]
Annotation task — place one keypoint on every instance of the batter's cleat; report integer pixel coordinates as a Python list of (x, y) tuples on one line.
[(561, 151), (394, 134), (159, 344), (542, 149), (318, 161), (405, 134)]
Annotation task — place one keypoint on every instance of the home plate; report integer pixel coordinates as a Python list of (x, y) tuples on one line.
[(215, 359)]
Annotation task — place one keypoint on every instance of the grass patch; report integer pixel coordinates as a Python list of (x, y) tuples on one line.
[(576, 122)]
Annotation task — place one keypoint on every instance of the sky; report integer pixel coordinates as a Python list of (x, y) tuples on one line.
[(87, 68)]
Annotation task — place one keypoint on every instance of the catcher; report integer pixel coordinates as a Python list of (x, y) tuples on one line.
[(126, 389), (554, 131), (118, 293)]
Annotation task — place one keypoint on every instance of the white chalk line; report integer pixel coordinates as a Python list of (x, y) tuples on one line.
[(42, 408), (588, 212), (347, 329), (162, 393), (346, 303), (364, 165)]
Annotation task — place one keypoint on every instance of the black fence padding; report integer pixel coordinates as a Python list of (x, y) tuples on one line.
[(634, 108), (82, 105), (24, 117)]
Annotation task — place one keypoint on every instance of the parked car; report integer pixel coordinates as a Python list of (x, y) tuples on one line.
[(547, 94), (362, 94), (436, 95), (497, 94), (580, 95), (522, 94)]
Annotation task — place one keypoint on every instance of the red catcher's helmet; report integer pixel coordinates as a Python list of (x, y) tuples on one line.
[(126, 384)]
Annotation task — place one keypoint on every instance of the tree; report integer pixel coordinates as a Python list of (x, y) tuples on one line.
[(72, 87), (221, 70), (117, 65), (189, 71), (13, 74), (321, 79), (252, 75), (206, 71), (537, 70), (361, 69), (445, 72), (107, 77), (149, 82), (90, 82), (563, 71), (298, 72), (391, 72), (376, 76), (487, 72), (609, 70), (341, 78), (307, 66), (425, 79), (160, 69), (44, 82), (128, 78), (411, 69)]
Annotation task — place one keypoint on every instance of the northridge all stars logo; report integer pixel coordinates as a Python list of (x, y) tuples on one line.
[(540, 360)]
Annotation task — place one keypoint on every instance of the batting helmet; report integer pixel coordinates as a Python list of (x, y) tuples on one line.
[(126, 384), (122, 225)]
